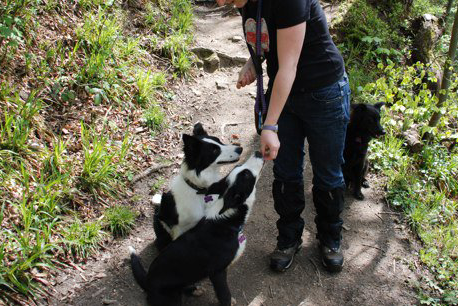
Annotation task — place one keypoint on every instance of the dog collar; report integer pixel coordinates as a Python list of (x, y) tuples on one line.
[(200, 190)]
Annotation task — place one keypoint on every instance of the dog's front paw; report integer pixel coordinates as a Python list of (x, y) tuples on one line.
[(365, 184), (233, 302), (358, 195)]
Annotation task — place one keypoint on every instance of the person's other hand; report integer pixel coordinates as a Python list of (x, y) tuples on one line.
[(247, 75), (269, 144)]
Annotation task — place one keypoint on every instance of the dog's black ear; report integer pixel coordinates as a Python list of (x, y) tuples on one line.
[(191, 146), (199, 130), (379, 105), (360, 107), (219, 188)]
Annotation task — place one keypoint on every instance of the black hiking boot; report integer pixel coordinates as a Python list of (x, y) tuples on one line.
[(329, 205), (288, 203), (332, 259), (281, 259)]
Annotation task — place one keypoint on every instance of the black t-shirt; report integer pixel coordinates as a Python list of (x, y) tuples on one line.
[(320, 63)]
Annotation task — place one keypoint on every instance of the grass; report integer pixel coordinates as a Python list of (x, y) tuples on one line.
[(120, 220), (154, 118), (97, 37), (147, 84), (16, 125), (68, 104), (82, 239), (176, 30), (100, 163), (423, 185)]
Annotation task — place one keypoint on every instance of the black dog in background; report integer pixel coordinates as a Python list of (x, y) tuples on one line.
[(364, 125)]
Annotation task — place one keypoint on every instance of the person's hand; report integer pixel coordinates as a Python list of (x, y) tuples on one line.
[(269, 144), (247, 75)]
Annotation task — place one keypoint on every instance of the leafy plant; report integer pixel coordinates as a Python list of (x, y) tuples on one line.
[(175, 27), (100, 166), (120, 219), (158, 183), (175, 47), (423, 185), (12, 24), (15, 127), (147, 83), (83, 239), (154, 117), (98, 36)]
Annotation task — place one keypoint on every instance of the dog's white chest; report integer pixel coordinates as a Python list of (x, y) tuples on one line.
[(190, 206)]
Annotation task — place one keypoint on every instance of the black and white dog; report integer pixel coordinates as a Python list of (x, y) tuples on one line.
[(183, 205), (210, 247)]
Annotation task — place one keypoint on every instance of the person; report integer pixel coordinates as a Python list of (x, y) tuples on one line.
[(309, 97)]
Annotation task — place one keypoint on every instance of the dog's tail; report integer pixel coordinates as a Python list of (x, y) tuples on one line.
[(137, 268)]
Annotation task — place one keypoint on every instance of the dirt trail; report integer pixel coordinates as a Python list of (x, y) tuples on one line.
[(377, 248)]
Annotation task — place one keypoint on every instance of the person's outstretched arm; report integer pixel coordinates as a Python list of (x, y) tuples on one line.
[(289, 46)]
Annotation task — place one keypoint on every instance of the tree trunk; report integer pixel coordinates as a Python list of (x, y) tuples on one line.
[(447, 12), (445, 84)]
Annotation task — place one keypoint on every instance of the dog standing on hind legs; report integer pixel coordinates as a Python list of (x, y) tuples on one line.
[(210, 247), (364, 125), (183, 205)]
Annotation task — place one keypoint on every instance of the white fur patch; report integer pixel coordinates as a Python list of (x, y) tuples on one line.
[(131, 250), (156, 200)]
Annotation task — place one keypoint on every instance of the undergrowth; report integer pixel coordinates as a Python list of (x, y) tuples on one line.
[(75, 89), (120, 220), (424, 184)]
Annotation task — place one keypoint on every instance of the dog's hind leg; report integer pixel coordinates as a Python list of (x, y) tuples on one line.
[(219, 281), (358, 172)]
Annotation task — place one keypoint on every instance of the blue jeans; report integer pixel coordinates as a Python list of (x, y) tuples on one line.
[(320, 116)]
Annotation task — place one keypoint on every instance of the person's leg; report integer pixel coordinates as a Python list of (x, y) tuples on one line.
[(326, 122), (288, 189)]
